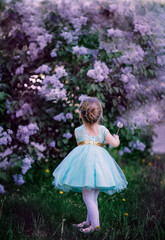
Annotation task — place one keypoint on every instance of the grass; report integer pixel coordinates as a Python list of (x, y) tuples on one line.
[(36, 211)]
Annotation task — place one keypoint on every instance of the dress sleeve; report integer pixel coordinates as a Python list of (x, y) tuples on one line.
[(105, 130), (76, 133)]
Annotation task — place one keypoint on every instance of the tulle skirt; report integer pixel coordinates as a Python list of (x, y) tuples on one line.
[(91, 167)]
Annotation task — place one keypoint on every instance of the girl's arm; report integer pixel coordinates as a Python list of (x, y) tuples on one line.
[(113, 140)]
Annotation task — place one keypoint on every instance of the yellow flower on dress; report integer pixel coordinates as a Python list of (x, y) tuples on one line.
[(123, 199), (61, 192), (47, 170), (126, 214), (143, 160)]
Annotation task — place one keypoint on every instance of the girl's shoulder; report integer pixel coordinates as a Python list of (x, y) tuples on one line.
[(103, 129), (78, 128)]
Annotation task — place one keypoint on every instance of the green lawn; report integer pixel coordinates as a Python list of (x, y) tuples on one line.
[(36, 211)]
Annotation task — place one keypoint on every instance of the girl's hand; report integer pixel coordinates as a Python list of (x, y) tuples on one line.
[(115, 136)]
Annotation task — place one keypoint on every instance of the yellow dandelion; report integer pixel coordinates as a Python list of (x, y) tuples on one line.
[(66, 82), (47, 170), (126, 214), (69, 200), (61, 192), (158, 157), (123, 199), (143, 160), (149, 164), (97, 227), (123, 170)]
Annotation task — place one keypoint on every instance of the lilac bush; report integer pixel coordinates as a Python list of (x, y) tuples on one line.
[(56, 53)]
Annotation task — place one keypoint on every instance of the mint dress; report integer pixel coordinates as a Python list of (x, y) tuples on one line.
[(89, 166)]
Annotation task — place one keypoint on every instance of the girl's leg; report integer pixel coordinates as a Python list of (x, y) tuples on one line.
[(95, 198), (90, 198), (96, 193)]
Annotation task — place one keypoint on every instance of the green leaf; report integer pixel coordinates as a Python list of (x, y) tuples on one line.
[(65, 141), (114, 101), (2, 110), (116, 89), (2, 96), (151, 72), (3, 176), (88, 88)]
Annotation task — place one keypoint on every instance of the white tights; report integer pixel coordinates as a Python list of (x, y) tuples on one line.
[(90, 199)]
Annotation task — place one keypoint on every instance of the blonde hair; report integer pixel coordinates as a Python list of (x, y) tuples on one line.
[(91, 110)]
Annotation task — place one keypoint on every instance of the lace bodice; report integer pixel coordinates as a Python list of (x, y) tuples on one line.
[(82, 135)]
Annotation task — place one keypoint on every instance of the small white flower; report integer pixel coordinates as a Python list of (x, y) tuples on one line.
[(120, 125)]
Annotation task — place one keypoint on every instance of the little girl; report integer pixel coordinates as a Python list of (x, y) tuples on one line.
[(89, 168)]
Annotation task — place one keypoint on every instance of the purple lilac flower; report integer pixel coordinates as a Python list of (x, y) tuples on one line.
[(161, 60), (60, 72), (67, 135), (5, 137), (69, 36), (52, 88), (40, 147), (117, 33), (4, 163), (82, 97), (8, 104), (78, 22), (100, 71), (60, 117), (132, 54), (142, 26), (18, 179), (27, 161), (69, 116), (20, 70), (24, 132), (137, 145), (33, 51), (43, 69), (120, 152), (40, 155), (53, 53), (26, 108), (52, 144), (80, 50), (2, 190), (32, 26), (43, 40), (5, 153), (126, 150)]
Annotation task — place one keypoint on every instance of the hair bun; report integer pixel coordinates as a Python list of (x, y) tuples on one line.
[(91, 114), (91, 110)]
